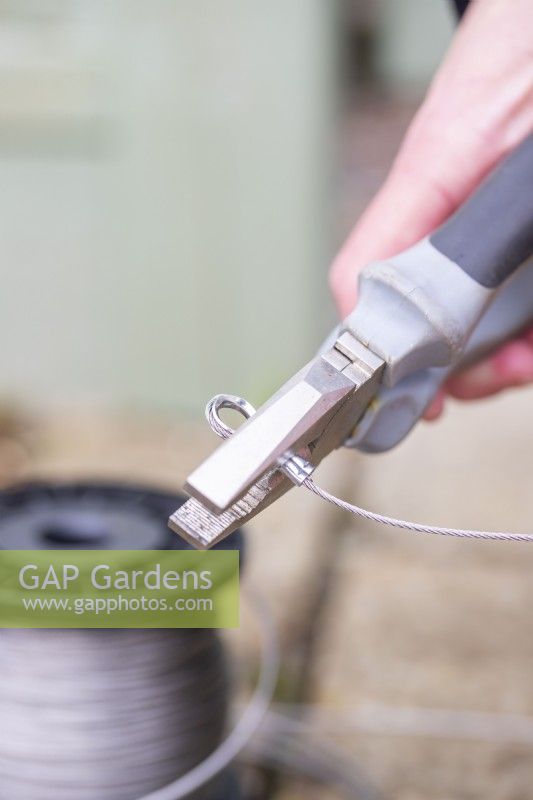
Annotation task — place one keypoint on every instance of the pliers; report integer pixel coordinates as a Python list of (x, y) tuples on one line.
[(420, 315)]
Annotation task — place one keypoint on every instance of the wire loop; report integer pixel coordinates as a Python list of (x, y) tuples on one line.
[(231, 401)]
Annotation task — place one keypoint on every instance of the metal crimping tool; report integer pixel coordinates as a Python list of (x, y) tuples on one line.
[(420, 315)]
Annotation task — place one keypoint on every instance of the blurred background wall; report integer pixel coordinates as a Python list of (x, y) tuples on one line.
[(164, 195), (169, 202)]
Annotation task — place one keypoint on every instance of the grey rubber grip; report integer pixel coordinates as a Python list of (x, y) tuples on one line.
[(491, 235), (398, 409)]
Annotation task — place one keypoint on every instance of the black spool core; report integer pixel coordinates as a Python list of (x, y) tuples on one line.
[(91, 516), (75, 530)]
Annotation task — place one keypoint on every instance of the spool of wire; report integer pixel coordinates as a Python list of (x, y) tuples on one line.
[(105, 714)]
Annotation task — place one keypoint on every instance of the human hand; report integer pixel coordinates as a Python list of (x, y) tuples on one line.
[(478, 108)]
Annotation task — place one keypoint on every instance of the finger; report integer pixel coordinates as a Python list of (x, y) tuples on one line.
[(528, 336), (511, 366), (436, 407)]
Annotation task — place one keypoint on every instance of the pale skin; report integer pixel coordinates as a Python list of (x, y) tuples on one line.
[(478, 108)]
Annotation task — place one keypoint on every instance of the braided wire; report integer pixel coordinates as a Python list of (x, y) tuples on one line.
[(414, 527), (224, 431)]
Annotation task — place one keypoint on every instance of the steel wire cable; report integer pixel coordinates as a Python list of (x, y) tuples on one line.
[(117, 714), (224, 431), (414, 527)]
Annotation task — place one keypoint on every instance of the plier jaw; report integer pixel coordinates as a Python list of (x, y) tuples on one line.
[(281, 444)]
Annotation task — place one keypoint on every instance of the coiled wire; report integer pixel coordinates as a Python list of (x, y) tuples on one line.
[(112, 714), (118, 714)]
